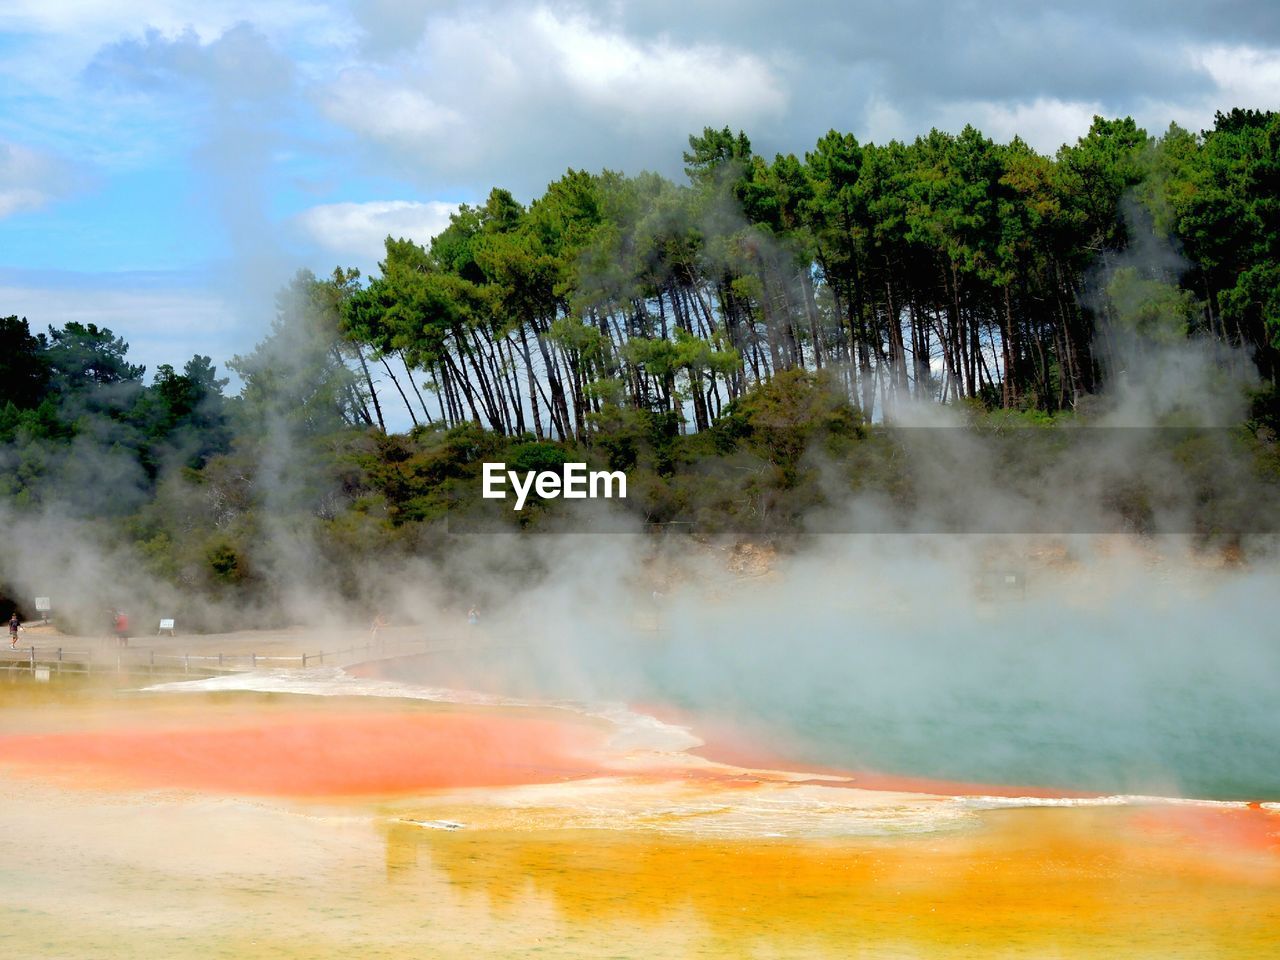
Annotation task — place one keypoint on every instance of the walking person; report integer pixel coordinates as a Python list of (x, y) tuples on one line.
[(122, 628), (14, 626)]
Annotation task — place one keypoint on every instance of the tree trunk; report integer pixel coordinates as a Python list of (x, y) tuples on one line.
[(407, 405), (409, 373), (373, 394), (532, 381)]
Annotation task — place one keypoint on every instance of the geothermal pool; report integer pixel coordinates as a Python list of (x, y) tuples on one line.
[(368, 813)]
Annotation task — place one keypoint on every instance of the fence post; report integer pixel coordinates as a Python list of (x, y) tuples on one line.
[(33, 659), (59, 653), (253, 661), (304, 658)]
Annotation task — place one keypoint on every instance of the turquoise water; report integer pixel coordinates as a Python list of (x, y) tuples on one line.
[(1179, 700)]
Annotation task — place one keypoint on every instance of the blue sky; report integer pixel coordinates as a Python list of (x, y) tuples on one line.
[(165, 165)]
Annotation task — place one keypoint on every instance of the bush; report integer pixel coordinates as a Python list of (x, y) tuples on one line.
[(783, 419), (225, 562), (536, 456)]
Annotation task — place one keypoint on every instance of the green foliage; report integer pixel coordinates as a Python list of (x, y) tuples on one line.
[(83, 355), (728, 341), (24, 364), (716, 152), (1220, 193), (1157, 311), (618, 433), (226, 565), (537, 456), (784, 419), (1254, 301)]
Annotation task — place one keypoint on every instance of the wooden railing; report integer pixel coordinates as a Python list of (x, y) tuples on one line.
[(38, 660)]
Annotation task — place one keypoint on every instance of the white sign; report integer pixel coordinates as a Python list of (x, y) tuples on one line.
[(166, 624), (574, 483), (43, 605)]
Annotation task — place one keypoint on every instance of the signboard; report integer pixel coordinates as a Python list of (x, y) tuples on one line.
[(43, 605), (166, 625)]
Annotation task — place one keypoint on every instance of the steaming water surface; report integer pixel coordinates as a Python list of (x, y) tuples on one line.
[(609, 839), (1202, 737), (650, 860), (1169, 695)]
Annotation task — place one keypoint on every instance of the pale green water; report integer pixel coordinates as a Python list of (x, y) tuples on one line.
[(1175, 702)]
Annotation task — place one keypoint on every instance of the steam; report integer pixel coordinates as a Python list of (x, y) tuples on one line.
[(1116, 664), (1086, 664), (1156, 374), (965, 630)]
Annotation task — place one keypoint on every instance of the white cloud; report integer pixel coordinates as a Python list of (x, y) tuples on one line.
[(882, 122), (1245, 76), (14, 199), (28, 179), (356, 230), (1242, 76), (648, 79), (387, 110), (1045, 123), (519, 94)]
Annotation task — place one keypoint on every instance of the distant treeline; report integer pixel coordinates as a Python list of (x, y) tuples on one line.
[(77, 418), (950, 267), (736, 343)]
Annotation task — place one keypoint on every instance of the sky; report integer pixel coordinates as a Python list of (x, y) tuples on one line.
[(167, 165)]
